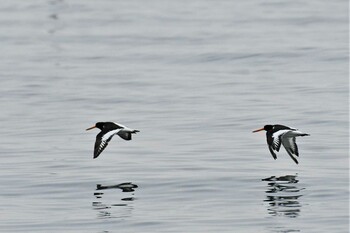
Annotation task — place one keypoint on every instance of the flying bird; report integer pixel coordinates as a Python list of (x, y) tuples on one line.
[(280, 134), (108, 130)]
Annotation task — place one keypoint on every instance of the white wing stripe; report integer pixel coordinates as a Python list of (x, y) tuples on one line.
[(109, 134), (280, 132), (277, 134), (294, 134)]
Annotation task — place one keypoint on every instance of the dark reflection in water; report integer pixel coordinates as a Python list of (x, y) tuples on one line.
[(105, 209), (281, 230), (126, 187), (283, 196)]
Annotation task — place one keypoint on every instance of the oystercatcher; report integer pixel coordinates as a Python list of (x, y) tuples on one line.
[(280, 134), (108, 130)]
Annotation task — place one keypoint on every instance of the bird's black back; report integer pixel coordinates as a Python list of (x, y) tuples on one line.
[(108, 126)]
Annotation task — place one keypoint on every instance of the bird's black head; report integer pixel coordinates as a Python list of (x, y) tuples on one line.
[(99, 125), (268, 127)]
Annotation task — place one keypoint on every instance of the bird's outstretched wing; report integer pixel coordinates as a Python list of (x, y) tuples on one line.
[(272, 152), (294, 147), (102, 140), (274, 140), (277, 138), (276, 143), (270, 144), (291, 147)]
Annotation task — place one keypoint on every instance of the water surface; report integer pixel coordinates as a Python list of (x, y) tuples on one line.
[(195, 78)]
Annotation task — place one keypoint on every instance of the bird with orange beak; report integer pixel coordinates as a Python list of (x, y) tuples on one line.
[(108, 130), (280, 134)]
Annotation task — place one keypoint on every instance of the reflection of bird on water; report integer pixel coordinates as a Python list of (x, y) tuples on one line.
[(126, 187), (283, 196), (105, 210)]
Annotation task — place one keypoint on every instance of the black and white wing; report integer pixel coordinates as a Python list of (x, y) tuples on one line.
[(272, 152), (291, 147), (274, 140), (270, 144), (102, 140)]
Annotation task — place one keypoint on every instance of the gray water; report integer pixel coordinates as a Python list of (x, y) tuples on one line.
[(195, 77)]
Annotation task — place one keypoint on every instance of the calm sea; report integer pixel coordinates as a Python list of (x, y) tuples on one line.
[(195, 77)]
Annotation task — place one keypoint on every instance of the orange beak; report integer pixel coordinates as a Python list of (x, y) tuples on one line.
[(257, 130), (91, 127)]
